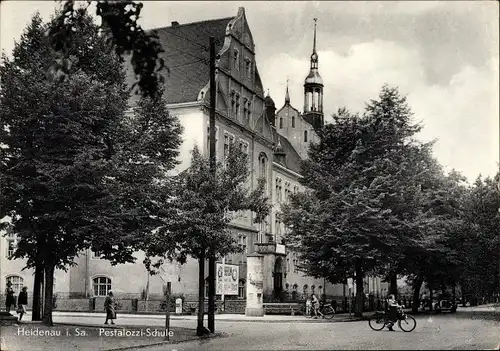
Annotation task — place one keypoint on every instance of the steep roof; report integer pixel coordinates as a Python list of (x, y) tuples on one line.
[(186, 55), (293, 160)]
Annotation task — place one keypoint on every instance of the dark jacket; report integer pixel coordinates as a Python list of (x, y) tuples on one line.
[(10, 298), (23, 298)]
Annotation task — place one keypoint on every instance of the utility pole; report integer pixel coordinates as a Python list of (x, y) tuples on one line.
[(167, 292), (211, 253)]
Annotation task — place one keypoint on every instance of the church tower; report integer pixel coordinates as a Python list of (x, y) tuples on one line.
[(313, 91)]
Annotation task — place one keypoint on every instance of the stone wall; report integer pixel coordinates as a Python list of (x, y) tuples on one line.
[(96, 304), (235, 306), (69, 305)]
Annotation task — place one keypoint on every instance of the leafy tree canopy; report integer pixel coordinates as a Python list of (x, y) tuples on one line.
[(202, 207)]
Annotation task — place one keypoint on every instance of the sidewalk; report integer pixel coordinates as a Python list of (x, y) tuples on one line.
[(219, 317)]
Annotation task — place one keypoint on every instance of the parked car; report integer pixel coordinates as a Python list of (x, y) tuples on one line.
[(444, 305)]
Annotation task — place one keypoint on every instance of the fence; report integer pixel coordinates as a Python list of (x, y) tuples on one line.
[(157, 304)]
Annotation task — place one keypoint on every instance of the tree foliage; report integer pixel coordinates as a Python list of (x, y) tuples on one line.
[(364, 207), (123, 33), (75, 173), (199, 208)]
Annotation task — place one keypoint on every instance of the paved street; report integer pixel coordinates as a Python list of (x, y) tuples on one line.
[(468, 329), (441, 332)]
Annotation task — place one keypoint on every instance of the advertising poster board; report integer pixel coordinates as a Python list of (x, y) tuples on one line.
[(227, 279)]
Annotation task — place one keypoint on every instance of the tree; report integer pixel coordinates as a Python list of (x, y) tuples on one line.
[(124, 34), (436, 261), (365, 175), (478, 247), (70, 161), (198, 211)]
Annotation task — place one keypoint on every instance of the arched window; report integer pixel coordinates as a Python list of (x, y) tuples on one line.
[(17, 283), (241, 289), (281, 122), (293, 121), (102, 285), (263, 167), (305, 136)]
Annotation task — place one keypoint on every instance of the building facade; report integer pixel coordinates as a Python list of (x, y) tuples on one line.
[(276, 142)]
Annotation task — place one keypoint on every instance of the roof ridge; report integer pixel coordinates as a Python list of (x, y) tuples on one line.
[(192, 23)]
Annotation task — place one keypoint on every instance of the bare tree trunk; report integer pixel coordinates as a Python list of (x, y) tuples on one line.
[(358, 312), (200, 329), (431, 297), (49, 292), (416, 293), (393, 284), (37, 293)]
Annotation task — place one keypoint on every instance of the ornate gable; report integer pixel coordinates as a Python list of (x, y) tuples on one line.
[(239, 28)]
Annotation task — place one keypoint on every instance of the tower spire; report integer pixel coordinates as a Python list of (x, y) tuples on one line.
[(287, 95), (314, 44), (313, 90), (314, 56)]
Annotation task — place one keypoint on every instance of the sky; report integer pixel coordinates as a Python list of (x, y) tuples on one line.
[(443, 56)]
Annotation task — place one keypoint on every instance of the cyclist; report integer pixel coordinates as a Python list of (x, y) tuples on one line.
[(315, 304), (392, 306)]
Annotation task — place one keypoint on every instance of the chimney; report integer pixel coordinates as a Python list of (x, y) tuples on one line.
[(175, 24)]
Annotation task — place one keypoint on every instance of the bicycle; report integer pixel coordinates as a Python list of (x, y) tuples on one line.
[(326, 311), (380, 319)]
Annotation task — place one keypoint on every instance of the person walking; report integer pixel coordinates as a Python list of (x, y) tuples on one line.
[(109, 306), (315, 305), (22, 302), (392, 306), (10, 299)]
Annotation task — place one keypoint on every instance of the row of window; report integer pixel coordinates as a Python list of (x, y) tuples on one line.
[(248, 63), (293, 126), (235, 106), (229, 139), (287, 193), (281, 122), (101, 285)]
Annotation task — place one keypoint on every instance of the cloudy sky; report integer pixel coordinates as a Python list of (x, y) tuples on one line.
[(444, 57)]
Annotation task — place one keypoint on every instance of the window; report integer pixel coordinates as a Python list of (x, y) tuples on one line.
[(293, 121), (263, 169), (277, 225), (249, 110), (242, 241), (236, 59), (233, 103), (17, 283), (95, 254), (248, 68), (281, 122), (237, 106), (241, 289), (305, 136), (287, 191), (102, 285), (245, 107), (11, 247), (279, 189), (228, 140)]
